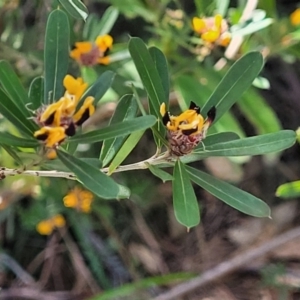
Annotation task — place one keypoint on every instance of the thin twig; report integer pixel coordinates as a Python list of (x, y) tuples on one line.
[(20, 273), (228, 266)]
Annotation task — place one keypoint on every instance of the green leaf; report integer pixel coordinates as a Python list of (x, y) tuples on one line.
[(262, 144), (13, 113), (99, 88), (251, 27), (148, 73), (36, 93), (131, 289), (115, 130), (11, 140), (262, 83), (75, 8), (12, 86), (236, 81), (289, 190), (185, 203), (161, 174), (56, 55), (106, 23), (230, 194), (222, 7), (161, 65), (125, 150), (91, 177), (12, 153), (218, 138), (259, 113), (125, 110)]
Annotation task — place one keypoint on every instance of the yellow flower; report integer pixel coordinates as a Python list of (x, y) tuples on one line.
[(79, 199), (59, 120), (187, 130), (295, 17), (52, 136), (74, 88), (54, 113), (46, 227), (90, 54), (51, 154), (84, 112), (212, 30)]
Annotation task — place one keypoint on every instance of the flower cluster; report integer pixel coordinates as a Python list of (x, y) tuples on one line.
[(60, 119), (212, 30), (186, 131), (295, 17), (46, 227), (79, 199), (93, 53)]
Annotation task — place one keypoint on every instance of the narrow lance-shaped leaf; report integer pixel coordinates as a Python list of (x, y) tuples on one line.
[(13, 114), (217, 138), (148, 73), (185, 203), (75, 8), (262, 144), (36, 93), (125, 110), (161, 65), (11, 84), (259, 113), (123, 128), (99, 88), (56, 55), (289, 190), (91, 177), (106, 23), (230, 194), (161, 174), (236, 81), (125, 150), (11, 140)]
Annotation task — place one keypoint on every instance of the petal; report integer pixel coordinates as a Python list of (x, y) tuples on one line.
[(104, 60), (84, 47), (52, 114), (225, 39), (199, 25), (75, 54), (295, 17), (51, 154), (51, 135), (75, 87), (210, 36), (218, 21), (103, 42), (44, 227), (59, 221), (84, 112)]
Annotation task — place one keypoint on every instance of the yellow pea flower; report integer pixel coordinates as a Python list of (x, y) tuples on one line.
[(79, 199), (213, 30), (90, 54), (75, 88), (295, 17), (51, 136), (84, 112), (46, 227), (187, 130)]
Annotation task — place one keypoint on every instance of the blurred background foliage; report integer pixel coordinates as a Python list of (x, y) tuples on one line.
[(130, 249)]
